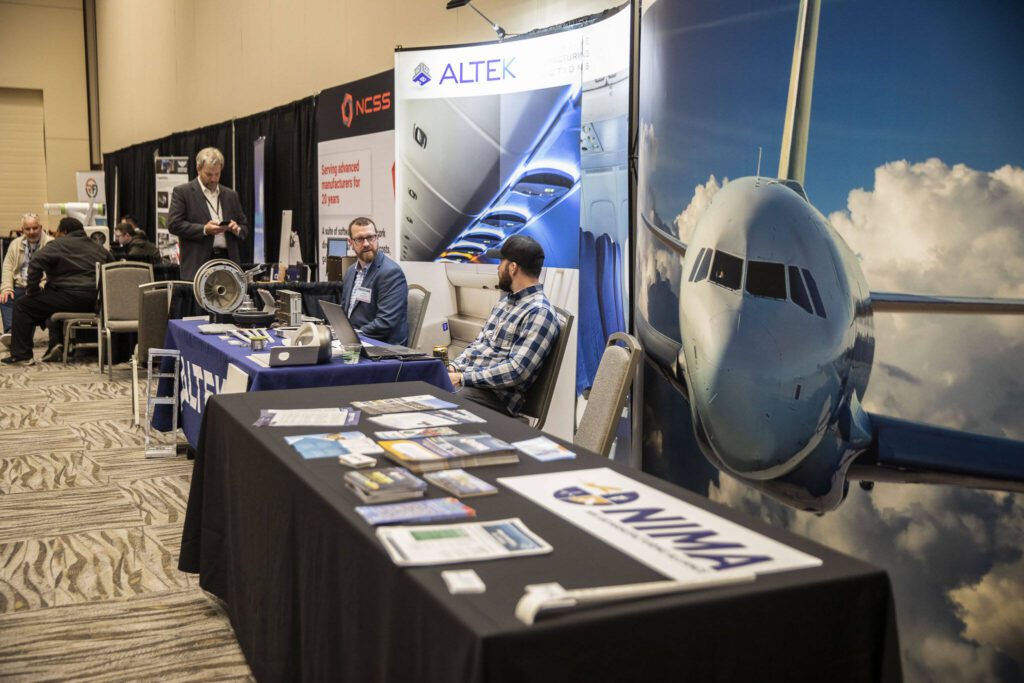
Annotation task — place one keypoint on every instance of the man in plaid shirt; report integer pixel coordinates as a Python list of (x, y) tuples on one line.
[(503, 361)]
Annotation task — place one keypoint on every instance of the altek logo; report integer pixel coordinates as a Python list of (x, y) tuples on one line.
[(371, 104), (421, 75)]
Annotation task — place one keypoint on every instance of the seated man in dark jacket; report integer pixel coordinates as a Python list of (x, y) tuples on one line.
[(134, 245), (70, 267)]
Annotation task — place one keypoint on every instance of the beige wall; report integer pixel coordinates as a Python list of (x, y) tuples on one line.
[(172, 65), (42, 47)]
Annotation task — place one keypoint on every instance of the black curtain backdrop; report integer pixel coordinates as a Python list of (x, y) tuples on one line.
[(188, 144), (290, 174), (130, 173), (136, 175)]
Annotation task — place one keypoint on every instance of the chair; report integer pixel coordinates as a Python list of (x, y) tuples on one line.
[(417, 311), (154, 308), (538, 396), (75, 322), (119, 287), (615, 373)]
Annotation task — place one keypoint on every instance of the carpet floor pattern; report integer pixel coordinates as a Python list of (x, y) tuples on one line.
[(89, 533)]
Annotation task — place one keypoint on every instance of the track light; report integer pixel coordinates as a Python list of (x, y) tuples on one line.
[(455, 4)]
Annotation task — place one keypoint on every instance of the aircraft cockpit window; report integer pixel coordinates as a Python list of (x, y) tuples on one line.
[(797, 292), (696, 263), (812, 286), (766, 279), (705, 263), (727, 270)]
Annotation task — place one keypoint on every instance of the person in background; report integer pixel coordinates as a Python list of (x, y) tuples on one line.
[(501, 364), (69, 264), (130, 220), (206, 216), (132, 243), (15, 268), (374, 291)]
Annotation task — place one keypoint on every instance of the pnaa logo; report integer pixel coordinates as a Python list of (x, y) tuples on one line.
[(595, 494), (421, 74)]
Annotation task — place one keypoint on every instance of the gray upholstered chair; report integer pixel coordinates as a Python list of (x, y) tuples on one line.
[(417, 311), (119, 288), (615, 374), (538, 396), (154, 308)]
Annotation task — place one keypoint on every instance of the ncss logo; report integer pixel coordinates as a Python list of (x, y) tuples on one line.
[(421, 74), (371, 104)]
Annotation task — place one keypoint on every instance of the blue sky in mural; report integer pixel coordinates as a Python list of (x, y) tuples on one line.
[(904, 80)]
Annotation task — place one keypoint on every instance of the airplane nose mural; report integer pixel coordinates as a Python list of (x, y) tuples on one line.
[(738, 397)]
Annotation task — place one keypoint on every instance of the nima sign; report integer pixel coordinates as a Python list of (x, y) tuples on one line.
[(478, 71)]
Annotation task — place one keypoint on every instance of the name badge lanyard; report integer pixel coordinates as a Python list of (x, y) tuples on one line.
[(214, 209)]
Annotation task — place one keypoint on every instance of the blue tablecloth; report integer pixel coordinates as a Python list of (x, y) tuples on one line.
[(204, 368)]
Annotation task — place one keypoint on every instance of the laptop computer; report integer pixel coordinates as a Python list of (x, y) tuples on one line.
[(346, 334)]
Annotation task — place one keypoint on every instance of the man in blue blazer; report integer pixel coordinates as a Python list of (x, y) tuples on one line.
[(374, 291)]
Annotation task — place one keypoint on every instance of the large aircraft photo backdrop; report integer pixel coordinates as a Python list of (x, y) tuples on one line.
[(915, 156)]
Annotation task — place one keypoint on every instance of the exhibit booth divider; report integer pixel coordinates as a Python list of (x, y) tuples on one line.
[(526, 136)]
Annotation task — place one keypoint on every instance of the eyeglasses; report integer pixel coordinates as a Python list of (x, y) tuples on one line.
[(363, 240)]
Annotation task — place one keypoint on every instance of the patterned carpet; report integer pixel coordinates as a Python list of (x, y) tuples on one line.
[(89, 534)]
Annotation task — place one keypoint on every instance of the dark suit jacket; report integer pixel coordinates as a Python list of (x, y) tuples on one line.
[(386, 316), (189, 213)]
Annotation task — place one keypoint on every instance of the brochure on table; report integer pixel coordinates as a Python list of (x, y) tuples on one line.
[(453, 543), (669, 535)]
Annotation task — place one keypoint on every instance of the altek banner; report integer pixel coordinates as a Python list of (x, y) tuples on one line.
[(523, 137), (356, 159), (488, 146)]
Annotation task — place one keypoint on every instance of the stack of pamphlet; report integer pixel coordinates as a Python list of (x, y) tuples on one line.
[(447, 452), (385, 485), (432, 510), (428, 418), (335, 445), (460, 483), (403, 404)]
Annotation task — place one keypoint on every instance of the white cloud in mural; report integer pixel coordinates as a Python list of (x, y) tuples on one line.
[(687, 219), (954, 555), (930, 228)]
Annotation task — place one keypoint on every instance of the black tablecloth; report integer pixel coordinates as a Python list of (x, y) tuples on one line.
[(184, 304), (313, 596)]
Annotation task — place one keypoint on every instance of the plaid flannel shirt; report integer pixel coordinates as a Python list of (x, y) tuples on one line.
[(507, 354)]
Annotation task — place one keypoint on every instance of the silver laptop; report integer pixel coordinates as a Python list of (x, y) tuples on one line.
[(346, 334)]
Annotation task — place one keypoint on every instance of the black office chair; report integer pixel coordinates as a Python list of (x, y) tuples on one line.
[(538, 396)]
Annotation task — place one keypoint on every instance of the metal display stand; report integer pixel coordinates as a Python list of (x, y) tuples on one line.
[(162, 450)]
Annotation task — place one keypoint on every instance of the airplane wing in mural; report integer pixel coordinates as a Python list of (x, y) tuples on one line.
[(891, 302), (910, 452)]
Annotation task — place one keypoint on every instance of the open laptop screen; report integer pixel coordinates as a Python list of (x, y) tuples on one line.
[(338, 320)]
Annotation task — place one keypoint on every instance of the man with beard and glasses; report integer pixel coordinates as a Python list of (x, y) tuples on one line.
[(206, 216), (499, 366), (374, 291)]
